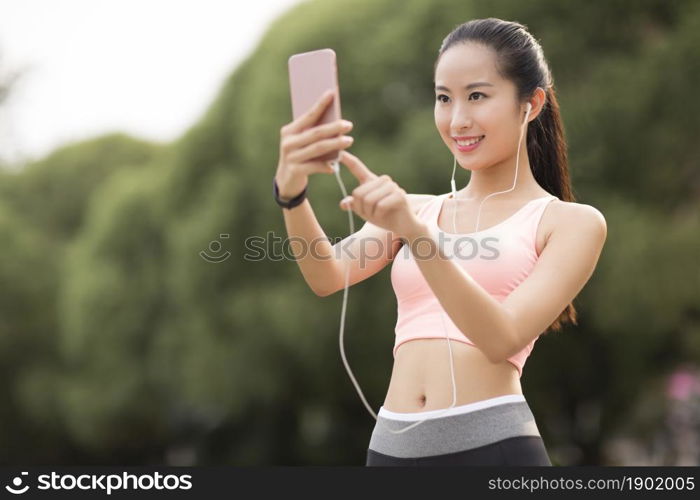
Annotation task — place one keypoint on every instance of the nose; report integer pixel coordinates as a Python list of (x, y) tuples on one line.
[(461, 119)]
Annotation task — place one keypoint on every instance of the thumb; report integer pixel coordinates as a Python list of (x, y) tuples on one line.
[(356, 167)]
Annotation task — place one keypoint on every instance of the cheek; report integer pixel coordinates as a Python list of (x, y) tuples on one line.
[(438, 116), (442, 121), (485, 117)]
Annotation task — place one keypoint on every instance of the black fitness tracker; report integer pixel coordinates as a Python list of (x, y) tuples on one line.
[(291, 203)]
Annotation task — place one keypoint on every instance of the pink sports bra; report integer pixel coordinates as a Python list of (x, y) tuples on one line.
[(499, 258)]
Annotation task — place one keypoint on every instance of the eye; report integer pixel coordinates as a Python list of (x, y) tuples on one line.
[(473, 93)]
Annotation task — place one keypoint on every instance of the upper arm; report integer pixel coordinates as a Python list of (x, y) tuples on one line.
[(563, 268), (370, 249)]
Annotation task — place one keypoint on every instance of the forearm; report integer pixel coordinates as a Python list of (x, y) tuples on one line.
[(311, 248), (474, 311)]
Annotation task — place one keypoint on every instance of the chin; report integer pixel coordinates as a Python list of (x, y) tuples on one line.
[(469, 163)]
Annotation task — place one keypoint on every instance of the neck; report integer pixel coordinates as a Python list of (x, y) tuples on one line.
[(500, 177)]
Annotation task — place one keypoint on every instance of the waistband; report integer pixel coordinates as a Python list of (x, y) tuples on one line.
[(457, 433), (457, 410)]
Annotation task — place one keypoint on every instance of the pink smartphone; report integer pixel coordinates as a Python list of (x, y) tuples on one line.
[(310, 75)]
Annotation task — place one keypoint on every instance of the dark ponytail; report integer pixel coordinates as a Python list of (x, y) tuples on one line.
[(519, 58)]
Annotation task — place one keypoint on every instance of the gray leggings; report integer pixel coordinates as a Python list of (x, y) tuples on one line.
[(494, 431)]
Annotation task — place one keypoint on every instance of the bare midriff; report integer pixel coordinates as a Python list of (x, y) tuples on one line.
[(421, 379)]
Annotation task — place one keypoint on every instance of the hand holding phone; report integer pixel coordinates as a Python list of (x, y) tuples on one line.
[(314, 137)]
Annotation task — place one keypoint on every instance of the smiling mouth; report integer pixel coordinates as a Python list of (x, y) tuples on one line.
[(470, 142)]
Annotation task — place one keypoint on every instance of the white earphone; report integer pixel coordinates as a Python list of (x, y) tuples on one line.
[(336, 168)]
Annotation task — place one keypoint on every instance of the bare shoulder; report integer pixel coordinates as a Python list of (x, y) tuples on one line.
[(578, 219), (418, 200)]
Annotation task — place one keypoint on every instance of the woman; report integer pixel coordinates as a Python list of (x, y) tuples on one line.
[(531, 251)]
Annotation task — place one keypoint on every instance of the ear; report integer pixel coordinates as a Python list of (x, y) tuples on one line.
[(537, 101)]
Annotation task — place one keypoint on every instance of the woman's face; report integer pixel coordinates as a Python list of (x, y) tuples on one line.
[(485, 110)]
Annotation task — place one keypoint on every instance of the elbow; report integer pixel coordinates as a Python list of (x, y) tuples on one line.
[(497, 350), (324, 292), (499, 353), (320, 289), (328, 289), (496, 356), (505, 347)]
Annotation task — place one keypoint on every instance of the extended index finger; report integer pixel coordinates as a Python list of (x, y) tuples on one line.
[(356, 167), (313, 114)]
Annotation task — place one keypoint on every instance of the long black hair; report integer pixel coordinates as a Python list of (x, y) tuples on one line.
[(519, 59)]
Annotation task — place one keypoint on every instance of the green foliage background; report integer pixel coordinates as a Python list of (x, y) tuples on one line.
[(119, 343)]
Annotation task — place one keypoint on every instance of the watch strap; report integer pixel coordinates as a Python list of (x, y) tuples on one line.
[(297, 200)]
